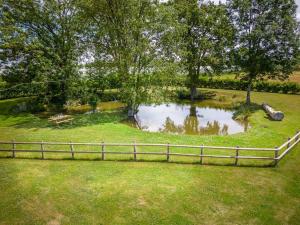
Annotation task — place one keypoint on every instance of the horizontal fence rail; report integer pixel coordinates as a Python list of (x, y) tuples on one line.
[(284, 149)]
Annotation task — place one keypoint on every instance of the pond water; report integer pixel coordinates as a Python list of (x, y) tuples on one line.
[(196, 119)]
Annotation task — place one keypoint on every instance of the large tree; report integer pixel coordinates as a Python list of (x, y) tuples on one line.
[(39, 42), (206, 37), (266, 38), (124, 43)]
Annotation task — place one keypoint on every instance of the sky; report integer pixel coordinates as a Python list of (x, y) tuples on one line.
[(297, 2), (298, 10)]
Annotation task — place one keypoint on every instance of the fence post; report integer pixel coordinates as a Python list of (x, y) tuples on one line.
[(275, 156), (289, 144), (72, 150), (297, 136), (42, 149), (236, 155), (13, 149), (201, 154), (134, 151), (168, 152), (102, 151)]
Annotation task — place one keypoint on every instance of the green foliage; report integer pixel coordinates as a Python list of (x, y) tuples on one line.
[(27, 105), (206, 37), (184, 94), (124, 43), (122, 192), (39, 43), (69, 50), (93, 102), (113, 81), (275, 87), (266, 38), (21, 90)]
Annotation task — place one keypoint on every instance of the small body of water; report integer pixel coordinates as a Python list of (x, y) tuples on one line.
[(188, 119)]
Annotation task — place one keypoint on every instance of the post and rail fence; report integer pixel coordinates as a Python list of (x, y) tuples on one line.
[(275, 158)]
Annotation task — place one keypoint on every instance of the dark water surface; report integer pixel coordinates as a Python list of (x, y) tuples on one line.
[(196, 119)]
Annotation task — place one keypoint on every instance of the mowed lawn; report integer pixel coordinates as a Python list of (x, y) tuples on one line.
[(294, 77), (55, 191)]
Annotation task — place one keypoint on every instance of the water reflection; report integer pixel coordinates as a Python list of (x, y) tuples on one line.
[(188, 119)]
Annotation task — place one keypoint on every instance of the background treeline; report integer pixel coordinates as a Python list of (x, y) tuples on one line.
[(261, 86), (70, 50), (34, 89)]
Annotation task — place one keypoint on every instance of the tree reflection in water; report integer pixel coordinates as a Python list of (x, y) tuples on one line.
[(188, 119), (192, 125)]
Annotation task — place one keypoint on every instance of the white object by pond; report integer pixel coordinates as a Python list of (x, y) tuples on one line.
[(275, 115)]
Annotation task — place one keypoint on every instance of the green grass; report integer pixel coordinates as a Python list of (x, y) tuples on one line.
[(294, 77), (123, 192)]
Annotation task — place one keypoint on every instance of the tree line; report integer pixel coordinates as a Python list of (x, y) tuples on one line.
[(72, 47)]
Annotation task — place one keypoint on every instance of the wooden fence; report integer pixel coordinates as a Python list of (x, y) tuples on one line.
[(277, 153)]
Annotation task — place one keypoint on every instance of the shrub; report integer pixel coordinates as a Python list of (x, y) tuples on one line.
[(288, 87), (93, 103), (22, 90), (33, 105), (203, 95)]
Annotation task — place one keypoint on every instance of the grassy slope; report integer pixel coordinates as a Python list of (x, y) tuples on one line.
[(110, 192), (295, 77)]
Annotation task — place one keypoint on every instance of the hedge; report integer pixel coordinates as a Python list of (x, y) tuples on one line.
[(262, 86), (24, 90)]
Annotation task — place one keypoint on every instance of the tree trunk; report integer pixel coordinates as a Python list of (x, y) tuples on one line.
[(130, 113), (193, 91), (248, 98)]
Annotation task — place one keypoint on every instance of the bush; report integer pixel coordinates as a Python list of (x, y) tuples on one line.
[(93, 102), (33, 105), (286, 88), (113, 81), (22, 90), (185, 94), (110, 95)]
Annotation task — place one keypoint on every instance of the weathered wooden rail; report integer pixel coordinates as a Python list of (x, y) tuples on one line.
[(276, 155)]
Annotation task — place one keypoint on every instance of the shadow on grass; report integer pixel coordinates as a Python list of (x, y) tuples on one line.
[(23, 119), (270, 118), (201, 95), (82, 120), (244, 111), (7, 105), (267, 165), (79, 120)]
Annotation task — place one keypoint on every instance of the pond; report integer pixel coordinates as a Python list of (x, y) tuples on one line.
[(183, 118)]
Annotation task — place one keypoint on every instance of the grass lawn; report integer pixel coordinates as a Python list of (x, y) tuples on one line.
[(124, 192), (294, 77)]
